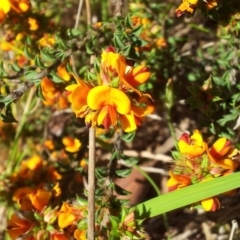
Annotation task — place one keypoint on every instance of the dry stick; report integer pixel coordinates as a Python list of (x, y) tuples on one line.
[(88, 11), (91, 184)]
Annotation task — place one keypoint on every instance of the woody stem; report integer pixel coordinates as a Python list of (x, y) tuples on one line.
[(91, 184)]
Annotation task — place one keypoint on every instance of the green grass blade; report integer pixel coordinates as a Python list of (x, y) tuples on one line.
[(187, 195)]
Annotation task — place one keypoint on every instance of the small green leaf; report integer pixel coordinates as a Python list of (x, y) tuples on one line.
[(55, 77), (89, 48), (123, 173), (114, 221), (46, 56), (137, 30), (31, 75), (73, 33), (14, 67), (82, 225), (128, 137), (27, 52), (118, 42), (38, 62), (39, 93)]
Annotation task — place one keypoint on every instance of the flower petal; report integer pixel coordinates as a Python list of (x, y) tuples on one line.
[(128, 122), (104, 95)]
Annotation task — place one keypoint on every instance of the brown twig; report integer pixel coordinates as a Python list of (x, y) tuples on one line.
[(117, 7), (91, 184), (88, 11)]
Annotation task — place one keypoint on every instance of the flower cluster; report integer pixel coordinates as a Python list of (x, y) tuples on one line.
[(114, 101), (40, 220), (18, 6), (197, 162), (189, 6)]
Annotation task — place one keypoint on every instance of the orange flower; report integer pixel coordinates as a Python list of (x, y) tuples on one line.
[(63, 73), (211, 4), (71, 144), (138, 75), (52, 94), (114, 70), (220, 148), (49, 144), (220, 154), (113, 65), (49, 91), (38, 200), (4, 9), (193, 146), (177, 181), (33, 24), (111, 102), (18, 226), (58, 236), (47, 40), (187, 6), (66, 216), (211, 204), (20, 5), (29, 167), (21, 192), (53, 174), (80, 234), (77, 96)]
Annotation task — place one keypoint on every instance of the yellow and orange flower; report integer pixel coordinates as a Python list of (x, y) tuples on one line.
[(63, 73), (52, 94), (68, 215), (189, 6), (196, 163), (36, 200), (18, 6), (17, 226), (77, 96), (177, 181), (80, 234), (193, 145), (110, 104), (71, 144)]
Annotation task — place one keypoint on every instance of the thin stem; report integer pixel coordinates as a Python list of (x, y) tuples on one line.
[(88, 11), (153, 184), (19, 130), (78, 14), (91, 184)]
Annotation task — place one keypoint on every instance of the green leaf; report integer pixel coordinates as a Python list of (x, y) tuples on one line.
[(101, 172), (82, 225), (124, 172), (114, 221), (8, 118), (46, 56), (130, 160), (128, 137), (14, 67), (188, 195), (137, 30), (27, 52), (118, 42), (30, 75), (55, 77), (73, 33), (89, 48), (39, 93), (38, 62)]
